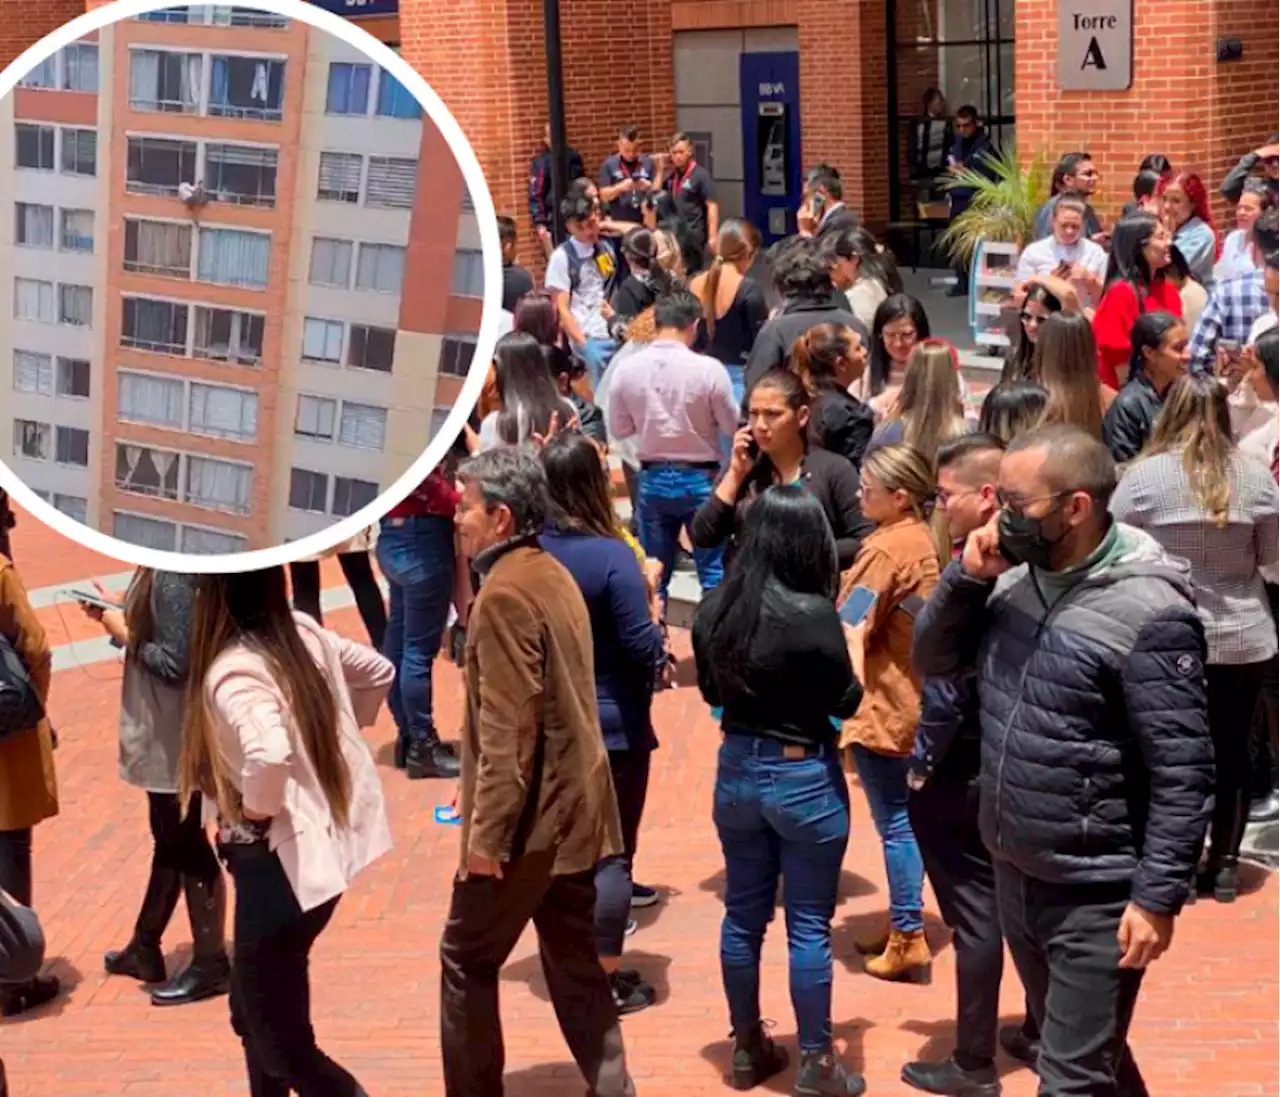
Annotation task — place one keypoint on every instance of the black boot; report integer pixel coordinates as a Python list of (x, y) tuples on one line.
[(1018, 1044), (142, 958), (16, 998), (950, 1079), (821, 1074), (430, 759), (1227, 881), (209, 973), (755, 1058)]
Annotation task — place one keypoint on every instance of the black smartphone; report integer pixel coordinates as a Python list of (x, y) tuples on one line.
[(89, 598), (753, 450)]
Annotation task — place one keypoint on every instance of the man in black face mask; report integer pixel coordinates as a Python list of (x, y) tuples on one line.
[(1096, 764)]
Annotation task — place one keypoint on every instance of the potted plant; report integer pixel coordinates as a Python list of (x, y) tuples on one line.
[(1003, 206)]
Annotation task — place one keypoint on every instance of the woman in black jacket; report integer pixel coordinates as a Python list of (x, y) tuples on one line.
[(1160, 357), (774, 449), (772, 653), (642, 287), (828, 359)]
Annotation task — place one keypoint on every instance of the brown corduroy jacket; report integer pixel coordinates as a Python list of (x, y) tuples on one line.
[(535, 773)]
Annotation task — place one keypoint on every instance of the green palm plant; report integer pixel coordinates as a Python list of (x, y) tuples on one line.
[(1004, 203)]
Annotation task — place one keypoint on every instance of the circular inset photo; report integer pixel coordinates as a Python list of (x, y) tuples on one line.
[(253, 276)]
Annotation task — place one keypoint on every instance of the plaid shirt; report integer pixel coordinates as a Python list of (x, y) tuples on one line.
[(1233, 307), (1155, 495)]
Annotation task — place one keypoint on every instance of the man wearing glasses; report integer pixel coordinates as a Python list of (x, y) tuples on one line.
[(1096, 764)]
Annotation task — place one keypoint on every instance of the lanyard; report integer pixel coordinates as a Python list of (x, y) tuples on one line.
[(678, 181)]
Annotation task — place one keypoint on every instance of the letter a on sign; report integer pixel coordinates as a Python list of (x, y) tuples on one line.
[(1095, 45), (1093, 56)]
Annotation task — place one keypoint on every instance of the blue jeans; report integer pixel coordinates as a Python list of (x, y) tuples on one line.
[(667, 497), (596, 354), (790, 818), (737, 377), (416, 556), (884, 779)]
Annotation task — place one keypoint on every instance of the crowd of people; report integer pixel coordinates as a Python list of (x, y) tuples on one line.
[(1037, 626)]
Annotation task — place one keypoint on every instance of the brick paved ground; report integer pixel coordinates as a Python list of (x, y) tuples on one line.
[(1206, 1025)]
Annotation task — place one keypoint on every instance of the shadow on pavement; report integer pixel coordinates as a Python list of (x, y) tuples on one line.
[(852, 886), (940, 1041), (845, 934), (653, 966), (848, 1044), (68, 975)]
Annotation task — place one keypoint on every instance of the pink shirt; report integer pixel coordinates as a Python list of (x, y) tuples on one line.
[(673, 402)]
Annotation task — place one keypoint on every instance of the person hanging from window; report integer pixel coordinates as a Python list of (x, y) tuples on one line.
[(972, 152), (626, 177), (691, 188), (829, 360), (154, 628), (930, 141), (1160, 357), (540, 196)]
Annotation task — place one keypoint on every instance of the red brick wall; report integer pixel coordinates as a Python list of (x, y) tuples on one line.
[(25, 24)]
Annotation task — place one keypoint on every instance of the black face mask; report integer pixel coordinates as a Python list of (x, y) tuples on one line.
[(1023, 539)]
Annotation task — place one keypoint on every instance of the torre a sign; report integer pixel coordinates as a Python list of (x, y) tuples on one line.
[(1095, 45)]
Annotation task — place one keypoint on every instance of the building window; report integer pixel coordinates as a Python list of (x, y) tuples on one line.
[(330, 262), (44, 75), (147, 532), (230, 257), (75, 305), (73, 377), (393, 181), (157, 247), (316, 418), (32, 372), (146, 471), (159, 326), (322, 340), (246, 87), (31, 439), (242, 174), (173, 15), (79, 151), (77, 230), (371, 348), (350, 495), (456, 352), (34, 146), (348, 91), (73, 506), (380, 268), (225, 335), (246, 17), (164, 80), (80, 66), (146, 398), (394, 99), (33, 225), (156, 165), (223, 412), (340, 177), (468, 273), (33, 300), (218, 485), (211, 542), (362, 426), (308, 490), (72, 447)]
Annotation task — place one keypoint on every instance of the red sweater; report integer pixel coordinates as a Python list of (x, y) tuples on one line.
[(436, 496), (1113, 322)]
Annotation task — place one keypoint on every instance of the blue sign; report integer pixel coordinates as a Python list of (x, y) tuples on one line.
[(359, 9)]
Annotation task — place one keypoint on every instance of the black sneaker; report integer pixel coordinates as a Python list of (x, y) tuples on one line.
[(642, 896), (1018, 1045), (425, 760), (821, 1074), (950, 1079), (630, 997), (756, 1058)]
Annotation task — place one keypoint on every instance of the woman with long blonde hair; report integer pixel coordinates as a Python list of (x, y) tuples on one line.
[(928, 409), (1066, 364), (272, 743), (1206, 502), (897, 566)]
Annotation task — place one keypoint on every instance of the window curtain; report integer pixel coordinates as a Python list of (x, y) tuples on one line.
[(222, 411), (144, 76), (348, 89), (363, 426), (32, 372), (150, 399), (322, 340), (33, 300), (232, 258), (217, 483), (381, 268), (76, 306), (35, 225), (81, 67), (163, 246)]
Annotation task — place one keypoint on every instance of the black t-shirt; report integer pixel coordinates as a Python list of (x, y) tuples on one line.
[(615, 170), (691, 190), (516, 282)]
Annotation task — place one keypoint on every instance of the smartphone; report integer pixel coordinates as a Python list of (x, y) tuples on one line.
[(92, 598), (447, 815), (857, 606), (1230, 347), (753, 450)]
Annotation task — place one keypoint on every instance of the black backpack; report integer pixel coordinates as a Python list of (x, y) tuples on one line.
[(575, 262), (20, 707)]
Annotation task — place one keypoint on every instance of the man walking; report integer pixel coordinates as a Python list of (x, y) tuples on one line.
[(1097, 767), (537, 802)]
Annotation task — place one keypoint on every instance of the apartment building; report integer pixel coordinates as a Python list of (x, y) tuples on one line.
[(246, 285)]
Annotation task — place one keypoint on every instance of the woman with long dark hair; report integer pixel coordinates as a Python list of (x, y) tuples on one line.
[(1135, 284), (272, 743), (772, 653), (526, 391), (584, 534), (829, 359), (900, 323), (1065, 363), (734, 308), (1012, 407), (154, 628), (861, 269), (1038, 305), (1184, 208), (1195, 493), (536, 314), (1160, 357)]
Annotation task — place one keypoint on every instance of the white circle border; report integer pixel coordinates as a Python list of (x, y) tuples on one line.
[(335, 534)]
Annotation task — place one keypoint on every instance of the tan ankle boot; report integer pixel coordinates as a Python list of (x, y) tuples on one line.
[(906, 959)]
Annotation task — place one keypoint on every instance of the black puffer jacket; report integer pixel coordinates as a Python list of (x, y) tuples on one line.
[(1097, 765), (1128, 422)]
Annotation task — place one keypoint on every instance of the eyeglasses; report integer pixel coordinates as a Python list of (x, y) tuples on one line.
[(944, 497), (1019, 505)]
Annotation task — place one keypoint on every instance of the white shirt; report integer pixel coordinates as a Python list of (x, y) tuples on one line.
[(1043, 257), (589, 296), (1236, 258), (1262, 325)]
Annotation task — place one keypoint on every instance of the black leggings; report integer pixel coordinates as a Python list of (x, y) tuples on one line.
[(356, 566), (181, 845), (630, 769), (15, 864), (1233, 698)]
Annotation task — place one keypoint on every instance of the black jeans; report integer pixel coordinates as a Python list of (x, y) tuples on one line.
[(1063, 941), (270, 986), (15, 864), (486, 918), (358, 570), (630, 770), (181, 844), (1233, 700), (944, 817)]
